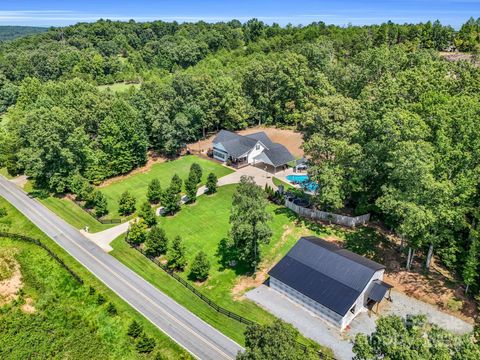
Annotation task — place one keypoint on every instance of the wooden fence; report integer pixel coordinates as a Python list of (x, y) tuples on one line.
[(185, 283), (43, 246), (313, 214)]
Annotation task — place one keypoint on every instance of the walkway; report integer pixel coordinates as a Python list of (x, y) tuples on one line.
[(261, 177)]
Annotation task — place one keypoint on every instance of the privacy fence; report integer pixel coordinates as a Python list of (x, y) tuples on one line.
[(313, 214), (43, 246)]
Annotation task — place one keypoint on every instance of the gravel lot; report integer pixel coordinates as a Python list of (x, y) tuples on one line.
[(315, 328)]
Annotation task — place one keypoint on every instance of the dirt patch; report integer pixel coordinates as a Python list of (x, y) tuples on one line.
[(245, 283), (12, 279), (291, 139), (152, 160), (458, 56), (28, 307)]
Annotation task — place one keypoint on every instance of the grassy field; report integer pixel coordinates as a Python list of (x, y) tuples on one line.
[(137, 184), (66, 321), (202, 226), (4, 172), (73, 214), (119, 87)]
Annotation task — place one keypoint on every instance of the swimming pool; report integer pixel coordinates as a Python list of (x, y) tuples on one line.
[(303, 181)]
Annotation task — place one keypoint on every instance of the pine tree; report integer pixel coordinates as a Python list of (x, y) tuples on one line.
[(134, 329), (137, 234), (200, 267), (126, 204), (176, 254), (211, 183), (145, 344), (157, 242), (101, 205), (147, 213), (100, 299), (154, 192), (196, 172), (176, 184), (191, 188), (171, 200), (111, 309)]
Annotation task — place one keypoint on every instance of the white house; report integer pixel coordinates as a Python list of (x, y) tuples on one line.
[(332, 282), (250, 149)]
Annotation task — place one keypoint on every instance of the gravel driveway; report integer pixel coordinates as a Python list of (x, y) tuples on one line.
[(315, 328)]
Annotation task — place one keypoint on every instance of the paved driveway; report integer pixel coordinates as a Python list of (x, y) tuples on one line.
[(315, 328)]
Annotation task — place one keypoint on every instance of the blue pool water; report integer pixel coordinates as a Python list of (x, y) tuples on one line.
[(304, 181)]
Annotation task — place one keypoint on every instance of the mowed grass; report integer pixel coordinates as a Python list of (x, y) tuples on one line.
[(67, 322), (73, 214), (279, 182), (202, 226), (137, 184), (4, 172)]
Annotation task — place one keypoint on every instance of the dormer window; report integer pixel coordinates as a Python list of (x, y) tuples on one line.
[(257, 147)]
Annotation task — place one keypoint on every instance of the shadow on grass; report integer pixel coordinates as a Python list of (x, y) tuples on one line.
[(227, 255), (366, 242)]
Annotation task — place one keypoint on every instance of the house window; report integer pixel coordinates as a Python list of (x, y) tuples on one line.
[(257, 147)]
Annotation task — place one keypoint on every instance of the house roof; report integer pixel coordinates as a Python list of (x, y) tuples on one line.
[(326, 273), (238, 145), (378, 290)]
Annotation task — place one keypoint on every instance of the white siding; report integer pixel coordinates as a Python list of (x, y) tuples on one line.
[(254, 152)]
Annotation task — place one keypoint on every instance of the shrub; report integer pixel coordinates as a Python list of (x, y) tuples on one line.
[(211, 183), (126, 204), (3, 212), (91, 290), (145, 344), (137, 234), (100, 299), (200, 267), (157, 242), (176, 255), (154, 192), (134, 329), (111, 310), (147, 213)]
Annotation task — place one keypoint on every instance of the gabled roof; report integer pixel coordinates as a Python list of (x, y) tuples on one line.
[(326, 273), (279, 154), (236, 145)]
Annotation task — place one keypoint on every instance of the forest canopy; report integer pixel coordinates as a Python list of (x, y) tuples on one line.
[(390, 126)]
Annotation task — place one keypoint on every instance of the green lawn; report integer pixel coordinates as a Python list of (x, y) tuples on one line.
[(67, 322), (202, 226), (119, 87), (73, 214), (137, 184), (4, 172), (279, 182)]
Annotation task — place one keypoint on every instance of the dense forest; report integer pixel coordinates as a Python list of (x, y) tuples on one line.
[(390, 126), (12, 32)]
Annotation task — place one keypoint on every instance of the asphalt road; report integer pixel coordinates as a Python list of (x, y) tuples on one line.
[(192, 333)]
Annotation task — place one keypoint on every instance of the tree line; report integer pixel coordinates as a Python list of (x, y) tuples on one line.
[(390, 127)]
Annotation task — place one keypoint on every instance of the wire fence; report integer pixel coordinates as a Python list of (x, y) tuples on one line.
[(43, 246)]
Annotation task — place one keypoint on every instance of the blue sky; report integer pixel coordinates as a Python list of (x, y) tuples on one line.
[(340, 12)]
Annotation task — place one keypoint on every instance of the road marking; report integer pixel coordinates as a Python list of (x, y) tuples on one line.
[(108, 270)]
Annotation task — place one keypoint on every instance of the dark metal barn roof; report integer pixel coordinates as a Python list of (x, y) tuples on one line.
[(326, 273)]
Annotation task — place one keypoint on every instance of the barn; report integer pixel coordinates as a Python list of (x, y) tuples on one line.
[(333, 283)]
